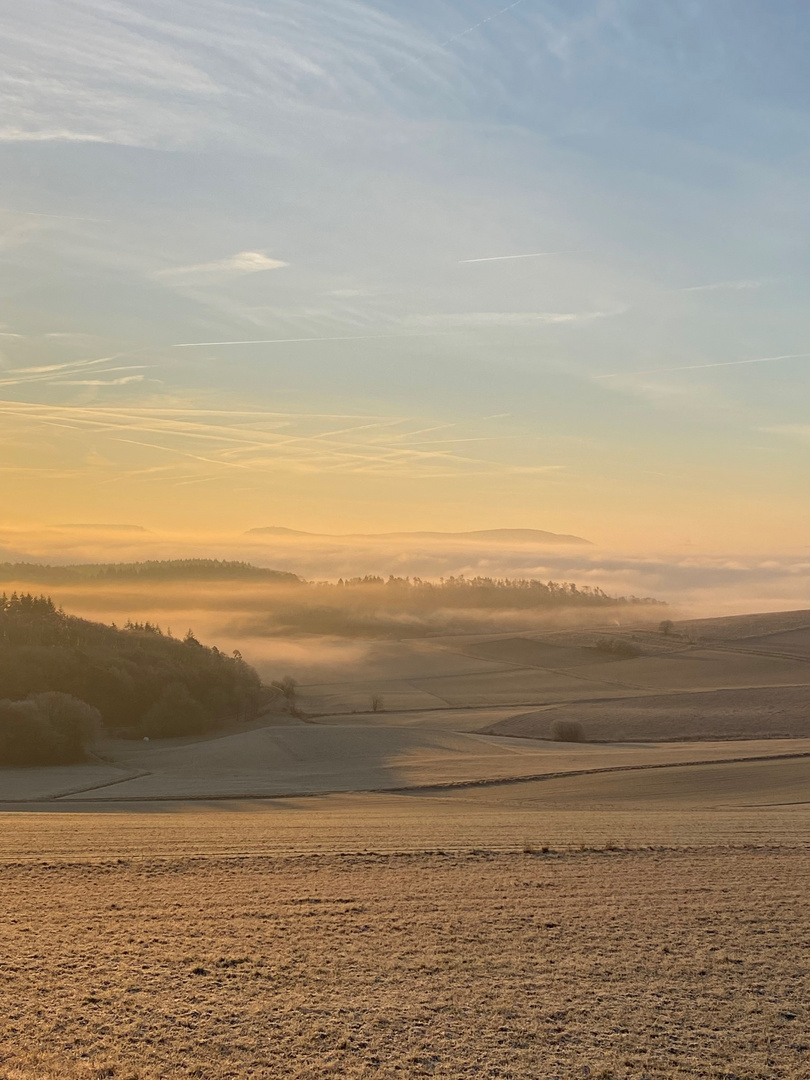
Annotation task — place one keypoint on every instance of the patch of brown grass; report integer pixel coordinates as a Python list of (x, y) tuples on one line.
[(608, 964)]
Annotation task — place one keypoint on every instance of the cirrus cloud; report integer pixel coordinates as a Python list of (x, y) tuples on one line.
[(244, 262)]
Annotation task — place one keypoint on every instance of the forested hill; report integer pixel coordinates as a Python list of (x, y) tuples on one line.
[(479, 591), (141, 681), (156, 570)]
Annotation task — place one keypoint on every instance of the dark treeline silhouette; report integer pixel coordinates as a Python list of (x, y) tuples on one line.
[(405, 592), (154, 570), (490, 592), (141, 681)]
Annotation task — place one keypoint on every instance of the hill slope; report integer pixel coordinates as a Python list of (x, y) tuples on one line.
[(137, 678)]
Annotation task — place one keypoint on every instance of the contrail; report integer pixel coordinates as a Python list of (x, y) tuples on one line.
[(701, 367), (457, 37), (722, 285), (288, 341), (64, 217), (500, 258), (489, 18)]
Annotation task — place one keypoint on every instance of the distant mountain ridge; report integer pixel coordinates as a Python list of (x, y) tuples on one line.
[(522, 536)]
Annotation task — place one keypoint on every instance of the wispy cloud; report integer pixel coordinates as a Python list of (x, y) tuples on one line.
[(291, 341), (262, 443), (39, 369), (798, 432), (734, 285), (482, 319), (123, 381), (678, 395), (244, 262), (702, 367), (70, 335), (57, 374), (192, 71), (449, 323), (56, 217), (12, 134)]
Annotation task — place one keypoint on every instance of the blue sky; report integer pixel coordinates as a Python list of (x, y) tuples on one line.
[(321, 177)]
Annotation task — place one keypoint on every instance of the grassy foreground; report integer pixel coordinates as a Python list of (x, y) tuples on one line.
[(676, 964)]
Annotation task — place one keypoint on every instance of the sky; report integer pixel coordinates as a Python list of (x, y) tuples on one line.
[(438, 264)]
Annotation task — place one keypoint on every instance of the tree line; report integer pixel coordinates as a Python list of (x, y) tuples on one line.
[(136, 680), (150, 570), (453, 591), (489, 591)]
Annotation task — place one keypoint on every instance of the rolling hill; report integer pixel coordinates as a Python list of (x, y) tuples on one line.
[(498, 536)]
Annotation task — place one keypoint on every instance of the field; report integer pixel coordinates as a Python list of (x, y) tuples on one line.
[(433, 890), (775, 712), (761, 656), (634, 922), (604, 964)]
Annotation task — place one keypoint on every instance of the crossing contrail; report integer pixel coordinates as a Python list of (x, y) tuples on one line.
[(288, 341), (489, 18), (457, 37), (500, 258), (702, 367)]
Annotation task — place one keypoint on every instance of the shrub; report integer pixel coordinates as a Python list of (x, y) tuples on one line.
[(288, 687), (567, 731), (74, 722), (46, 729), (620, 647)]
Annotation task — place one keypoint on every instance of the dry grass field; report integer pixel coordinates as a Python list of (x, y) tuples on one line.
[(634, 923), (740, 627), (736, 653), (661, 964), (763, 802), (756, 712)]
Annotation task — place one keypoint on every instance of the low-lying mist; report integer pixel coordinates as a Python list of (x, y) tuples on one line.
[(695, 582), (281, 626), (324, 625)]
